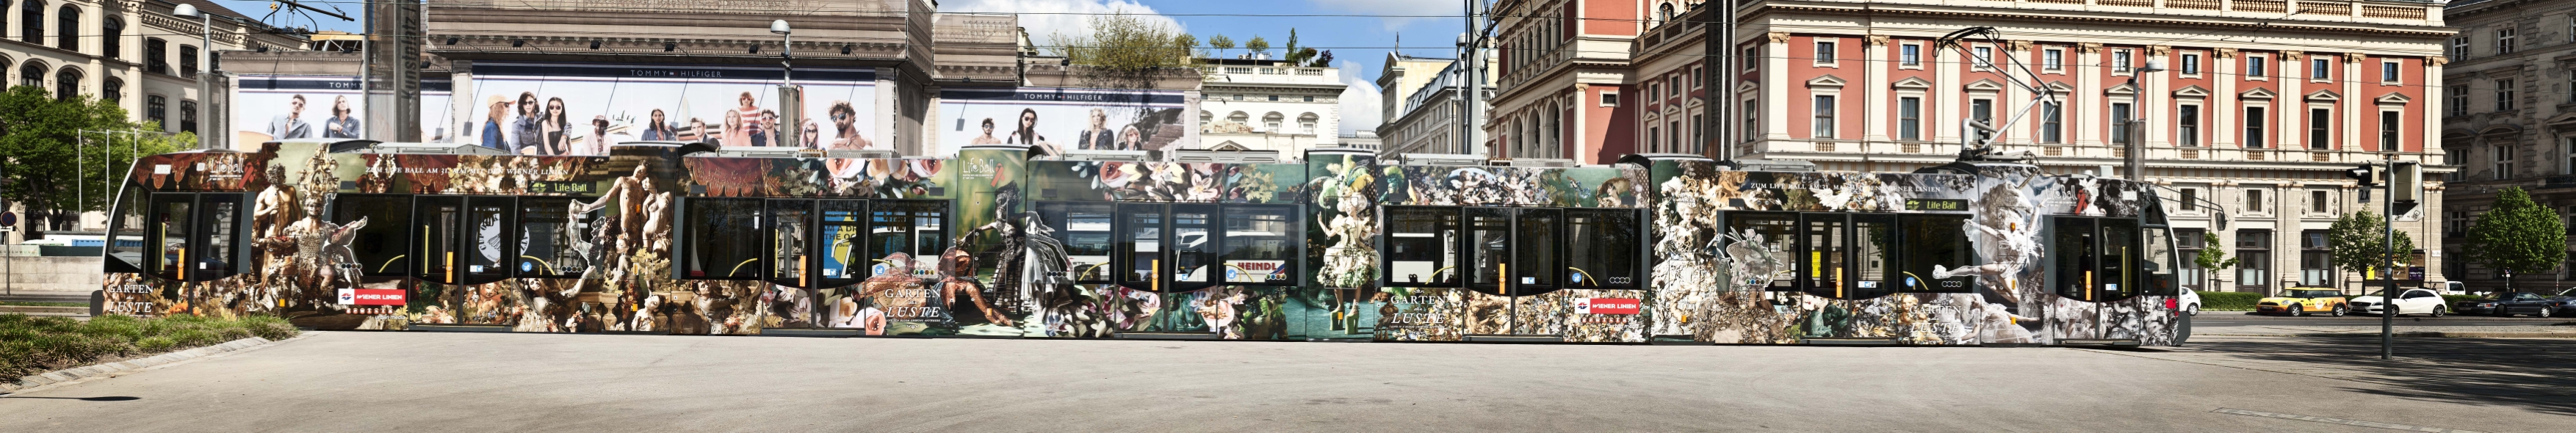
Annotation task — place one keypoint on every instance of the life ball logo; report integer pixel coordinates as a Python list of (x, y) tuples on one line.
[(1605, 306)]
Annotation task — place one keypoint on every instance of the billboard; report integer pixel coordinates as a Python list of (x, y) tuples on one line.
[(1065, 119), (582, 108), (435, 114), (276, 107)]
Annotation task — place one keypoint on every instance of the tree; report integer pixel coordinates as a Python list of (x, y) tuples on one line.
[(1257, 45), (2517, 236), (1221, 43), (47, 170), (2359, 242), (1125, 42), (2212, 258)]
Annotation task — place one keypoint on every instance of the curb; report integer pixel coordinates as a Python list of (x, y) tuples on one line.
[(2434, 334), (68, 375)]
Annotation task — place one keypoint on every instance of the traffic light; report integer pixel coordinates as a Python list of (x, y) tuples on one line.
[(2367, 174), (2405, 187)]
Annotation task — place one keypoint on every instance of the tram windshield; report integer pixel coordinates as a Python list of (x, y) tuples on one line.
[(717, 233)]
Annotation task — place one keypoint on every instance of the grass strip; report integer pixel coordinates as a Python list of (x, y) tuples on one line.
[(34, 345)]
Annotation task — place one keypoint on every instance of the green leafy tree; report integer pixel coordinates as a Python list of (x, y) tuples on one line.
[(2517, 236), (2212, 259), (2359, 242), (1125, 42), (1221, 43), (45, 165), (1257, 45)]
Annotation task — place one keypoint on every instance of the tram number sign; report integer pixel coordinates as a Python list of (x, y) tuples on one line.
[(1936, 204), (1605, 306), (371, 297)]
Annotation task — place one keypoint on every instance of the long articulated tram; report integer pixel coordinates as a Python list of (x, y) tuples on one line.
[(673, 238)]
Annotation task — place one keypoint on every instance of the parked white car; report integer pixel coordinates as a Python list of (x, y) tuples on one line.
[(2412, 301), (2189, 303)]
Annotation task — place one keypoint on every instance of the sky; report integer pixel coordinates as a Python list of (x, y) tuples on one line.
[(1359, 43)]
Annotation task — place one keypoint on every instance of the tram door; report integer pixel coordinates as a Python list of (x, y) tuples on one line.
[(1513, 253)]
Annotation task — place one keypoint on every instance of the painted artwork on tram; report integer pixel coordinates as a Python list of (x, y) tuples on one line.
[(992, 243), (583, 108), (1768, 258), (1061, 119)]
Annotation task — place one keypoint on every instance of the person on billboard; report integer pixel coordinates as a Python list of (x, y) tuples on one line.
[(697, 132), (659, 130), (599, 141), (735, 132), (492, 135), (291, 124), (750, 116), (1130, 139), (1097, 137), (526, 136), (1028, 133), (845, 125), (341, 124), (813, 135), (764, 132), (558, 130), (987, 138)]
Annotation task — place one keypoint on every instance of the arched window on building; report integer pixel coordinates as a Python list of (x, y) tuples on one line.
[(1270, 122), (1239, 118), (1306, 123), (31, 22), (67, 28), (111, 89), (187, 116), (157, 109), (111, 37), (32, 74), (67, 84)]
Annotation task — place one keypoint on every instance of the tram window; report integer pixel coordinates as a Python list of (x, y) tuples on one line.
[(790, 224), (718, 241), (1194, 246), (2073, 251), (1874, 256), (379, 245), (1767, 234), (170, 216), (2119, 260), (436, 222), (1931, 242), (1421, 247), (1085, 230), (198, 237), (1603, 247), (1822, 266), (2159, 263), (1261, 245), (1140, 243), (125, 236), (547, 239), (916, 228), (491, 221), (843, 233), (1489, 247), (1536, 250)]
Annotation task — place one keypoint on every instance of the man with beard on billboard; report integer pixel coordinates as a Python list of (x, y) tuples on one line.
[(845, 122)]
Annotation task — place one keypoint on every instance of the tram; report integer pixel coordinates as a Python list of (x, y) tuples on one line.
[(686, 238)]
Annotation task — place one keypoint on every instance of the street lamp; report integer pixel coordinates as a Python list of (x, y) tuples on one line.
[(205, 49), (791, 101)]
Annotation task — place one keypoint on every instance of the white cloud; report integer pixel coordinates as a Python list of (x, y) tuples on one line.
[(1411, 8), (1362, 101), (1044, 18)]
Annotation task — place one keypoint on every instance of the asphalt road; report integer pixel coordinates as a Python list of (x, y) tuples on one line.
[(353, 381), (2234, 318)]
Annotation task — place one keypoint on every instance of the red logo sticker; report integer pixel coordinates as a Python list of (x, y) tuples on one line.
[(1605, 306)]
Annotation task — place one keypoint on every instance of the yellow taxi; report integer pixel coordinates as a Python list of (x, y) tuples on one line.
[(2299, 301)]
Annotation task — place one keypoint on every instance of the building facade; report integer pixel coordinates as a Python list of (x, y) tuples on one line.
[(132, 52), (2510, 118), (2253, 122), (1427, 119), (1260, 104)]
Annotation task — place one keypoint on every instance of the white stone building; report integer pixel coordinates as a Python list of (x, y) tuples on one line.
[(1261, 104)]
